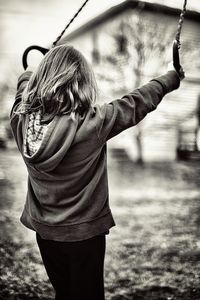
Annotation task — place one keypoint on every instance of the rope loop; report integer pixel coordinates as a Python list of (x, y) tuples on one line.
[(44, 50)]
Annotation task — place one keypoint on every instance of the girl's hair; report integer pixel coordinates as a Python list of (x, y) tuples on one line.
[(63, 83)]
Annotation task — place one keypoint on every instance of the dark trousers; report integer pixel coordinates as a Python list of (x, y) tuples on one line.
[(75, 269)]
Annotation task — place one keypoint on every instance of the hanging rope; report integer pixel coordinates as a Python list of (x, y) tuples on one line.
[(70, 22), (180, 23), (177, 43), (45, 50)]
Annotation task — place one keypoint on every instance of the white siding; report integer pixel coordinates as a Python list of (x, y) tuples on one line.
[(160, 127)]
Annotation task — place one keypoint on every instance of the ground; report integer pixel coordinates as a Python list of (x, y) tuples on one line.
[(152, 254)]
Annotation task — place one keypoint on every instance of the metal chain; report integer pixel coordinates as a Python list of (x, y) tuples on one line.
[(70, 22), (180, 23)]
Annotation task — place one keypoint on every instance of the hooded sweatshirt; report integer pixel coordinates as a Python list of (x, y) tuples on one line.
[(67, 197)]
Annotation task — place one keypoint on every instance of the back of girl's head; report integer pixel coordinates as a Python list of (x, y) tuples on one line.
[(63, 83)]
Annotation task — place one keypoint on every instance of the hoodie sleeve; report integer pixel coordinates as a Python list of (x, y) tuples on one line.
[(21, 84), (128, 111)]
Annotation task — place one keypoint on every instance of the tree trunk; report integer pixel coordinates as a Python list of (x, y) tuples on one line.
[(139, 145), (197, 131), (138, 137)]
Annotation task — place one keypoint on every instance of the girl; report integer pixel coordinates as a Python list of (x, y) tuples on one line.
[(62, 137)]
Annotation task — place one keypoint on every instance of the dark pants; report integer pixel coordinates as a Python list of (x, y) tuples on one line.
[(75, 269)]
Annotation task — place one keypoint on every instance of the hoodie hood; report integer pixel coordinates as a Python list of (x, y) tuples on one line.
[(53, 143)]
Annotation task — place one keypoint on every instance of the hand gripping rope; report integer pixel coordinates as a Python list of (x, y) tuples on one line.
[(177, 43), (45, 50)]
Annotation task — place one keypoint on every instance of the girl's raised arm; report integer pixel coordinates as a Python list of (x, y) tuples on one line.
[(128, 111)]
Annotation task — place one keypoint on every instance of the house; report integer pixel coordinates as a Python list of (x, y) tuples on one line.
[(103, 38)]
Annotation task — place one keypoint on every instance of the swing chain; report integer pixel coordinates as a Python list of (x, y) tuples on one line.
[(74, 17), (180, 24)]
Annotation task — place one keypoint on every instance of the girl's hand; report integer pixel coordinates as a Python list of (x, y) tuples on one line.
[(180, 73)]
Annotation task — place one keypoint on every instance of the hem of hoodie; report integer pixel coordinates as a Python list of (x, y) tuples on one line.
[(70, 232)]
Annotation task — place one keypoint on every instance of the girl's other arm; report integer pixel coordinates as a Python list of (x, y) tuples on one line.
[(21, 84)]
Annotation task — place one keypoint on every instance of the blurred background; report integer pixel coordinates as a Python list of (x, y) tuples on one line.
[(154, 251)]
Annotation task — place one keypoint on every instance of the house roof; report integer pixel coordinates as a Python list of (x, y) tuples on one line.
[(129, 4)]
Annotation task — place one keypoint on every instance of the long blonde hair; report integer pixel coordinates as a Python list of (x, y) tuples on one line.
[(63, 83)]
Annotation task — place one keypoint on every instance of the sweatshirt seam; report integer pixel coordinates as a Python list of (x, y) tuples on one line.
[(103, 138), (69, 224), (164, 87)]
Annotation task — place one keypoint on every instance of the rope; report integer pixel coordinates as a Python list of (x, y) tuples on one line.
[(70, 22), (180, 23)]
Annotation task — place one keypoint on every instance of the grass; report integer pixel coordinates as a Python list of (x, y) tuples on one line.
[(152, 254), (156, 244)]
